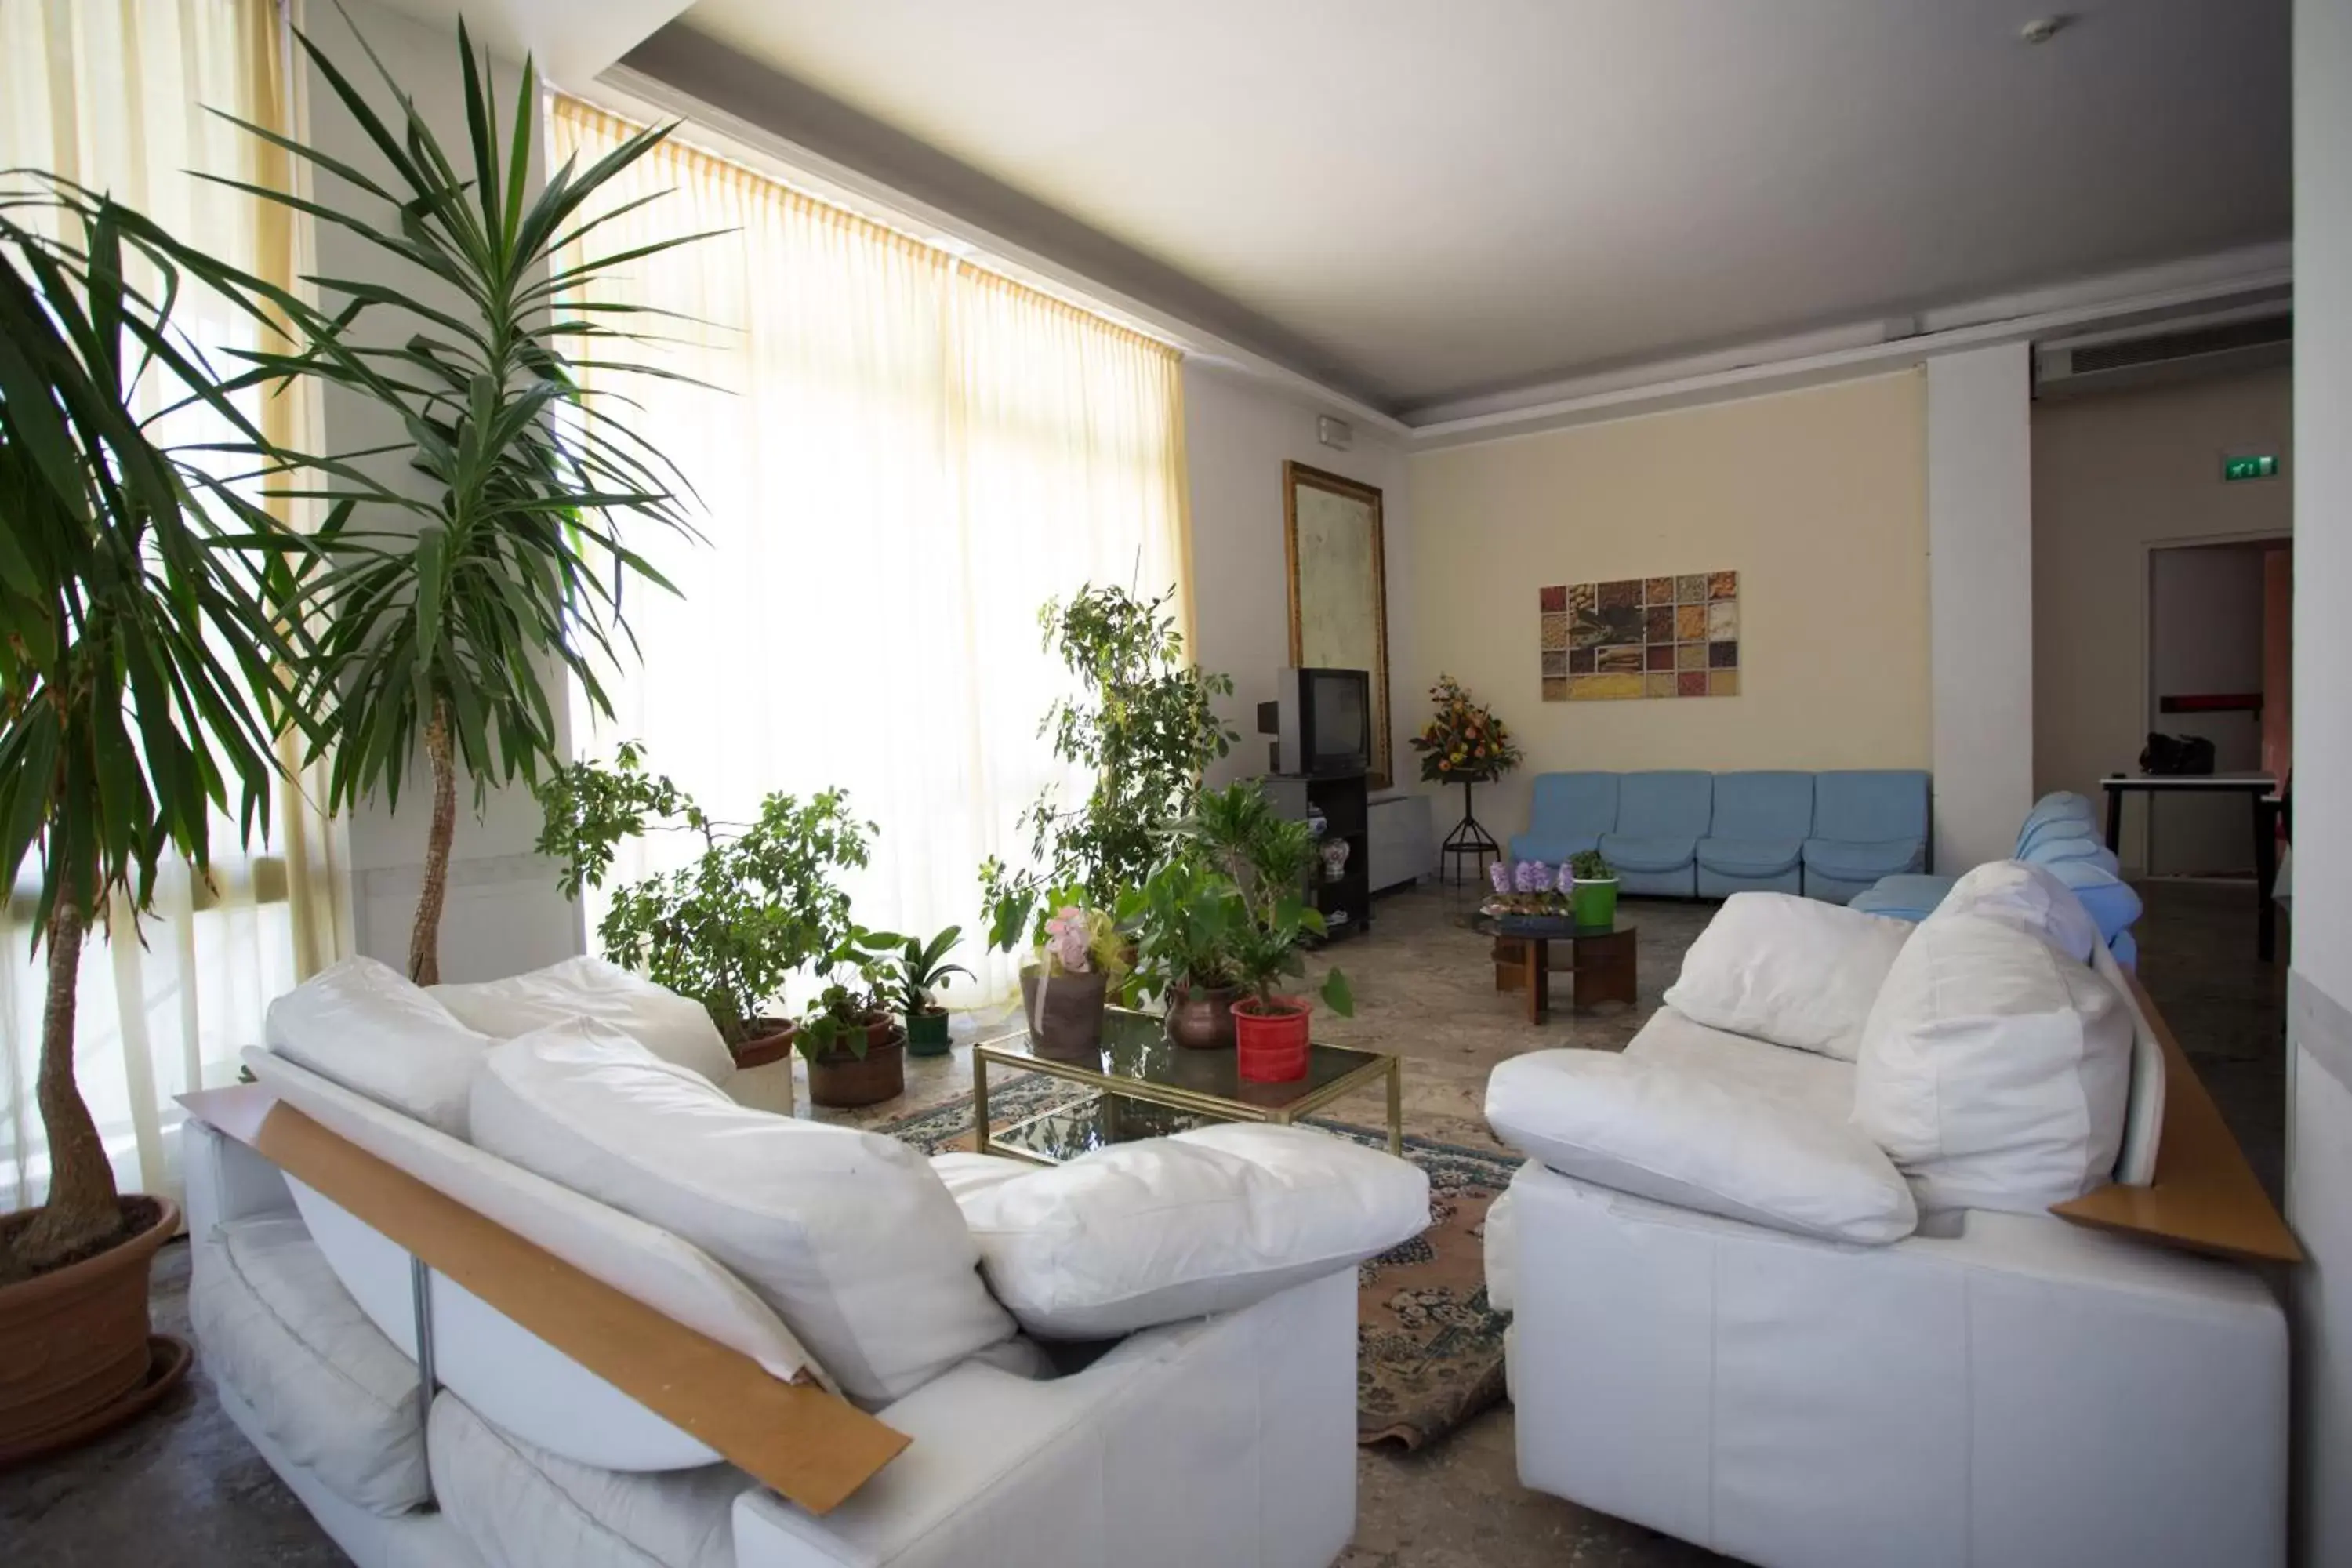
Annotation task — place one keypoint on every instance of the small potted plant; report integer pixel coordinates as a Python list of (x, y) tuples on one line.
[(1593, 891), (921, 967), (1267, 858), (1065, 987), (854, 1046), (1184, 918), (1530, 899)]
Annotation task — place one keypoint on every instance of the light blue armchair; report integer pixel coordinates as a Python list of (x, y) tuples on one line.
[(1867, 824), (1758, 840), (1570, 814), (1661, 817)]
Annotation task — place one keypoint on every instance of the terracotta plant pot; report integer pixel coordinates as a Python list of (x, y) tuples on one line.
[(1270, 1042), (75, 1356), (1065, 1012), (1200, 1017), (843, 1080), (771, 1039), (927, 1033)]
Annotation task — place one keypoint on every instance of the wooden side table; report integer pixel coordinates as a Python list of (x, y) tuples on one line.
[(1601, 966)]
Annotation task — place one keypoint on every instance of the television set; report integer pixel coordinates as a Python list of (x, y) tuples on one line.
[(1321, 720)]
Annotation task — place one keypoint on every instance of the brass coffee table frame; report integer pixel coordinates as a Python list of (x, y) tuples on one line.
[(1194, 1100)]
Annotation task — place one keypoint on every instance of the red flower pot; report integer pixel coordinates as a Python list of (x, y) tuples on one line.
[(1270, 1042)]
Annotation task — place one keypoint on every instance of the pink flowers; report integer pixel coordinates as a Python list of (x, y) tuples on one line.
[(1069, 933)]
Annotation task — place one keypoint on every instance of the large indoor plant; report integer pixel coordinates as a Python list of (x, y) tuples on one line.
[(1143, 726), (447, 600), (139, 652), (1268, 857), (760, 903), (1184, 919)]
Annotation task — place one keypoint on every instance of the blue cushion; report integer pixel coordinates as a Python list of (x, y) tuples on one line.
[(1909, 896), (1666, 805), (2125, 949), (1750, 856), (1653, 852), (2034, 835), (2061, 806), (1552, 851), (2109, 898), (1572, 807), (1763, 805), (2050, 851), (1871, 806), (1865, 862)]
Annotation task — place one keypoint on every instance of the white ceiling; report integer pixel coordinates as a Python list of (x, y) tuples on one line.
[(1441, 197)]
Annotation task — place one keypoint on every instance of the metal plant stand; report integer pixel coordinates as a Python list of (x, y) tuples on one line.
[(1470, 839)]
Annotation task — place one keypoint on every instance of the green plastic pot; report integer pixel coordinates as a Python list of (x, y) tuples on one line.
[(927, 1033), (1594, 902)]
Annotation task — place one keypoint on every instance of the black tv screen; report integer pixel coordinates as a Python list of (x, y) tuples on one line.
[(1325, 722)]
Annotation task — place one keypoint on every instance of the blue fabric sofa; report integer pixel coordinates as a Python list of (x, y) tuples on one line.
[(1684, 834), (1868, 824), (1758, 841), (2061, 835)]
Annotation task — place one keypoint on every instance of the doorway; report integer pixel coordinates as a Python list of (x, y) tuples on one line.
[(2220, 663)]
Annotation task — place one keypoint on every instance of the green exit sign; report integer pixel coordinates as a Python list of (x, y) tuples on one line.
[(2251, 466)]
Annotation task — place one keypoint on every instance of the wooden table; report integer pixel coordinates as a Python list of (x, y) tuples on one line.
[(2261, 792), (1601, 961)]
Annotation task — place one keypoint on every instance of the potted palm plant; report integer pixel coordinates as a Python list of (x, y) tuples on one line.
[(1592, 891), (444, 605), (139, 646), (855, 1050), (922, 966), (1267, 858), (1184, 919)]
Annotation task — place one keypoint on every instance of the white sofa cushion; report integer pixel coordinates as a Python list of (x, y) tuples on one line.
[(522, 1507), (2030, 898), (1208, 1220), (339, 1398), (847, 1235), (373, 1030), (1803, 1081), (1796, 972), (674, 1028), (1994, 1068), (1658, 1132)]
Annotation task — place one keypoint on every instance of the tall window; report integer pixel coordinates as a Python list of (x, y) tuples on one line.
[(113, 95), (909, 454)]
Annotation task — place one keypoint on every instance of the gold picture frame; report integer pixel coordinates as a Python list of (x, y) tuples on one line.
[(1340, 619)]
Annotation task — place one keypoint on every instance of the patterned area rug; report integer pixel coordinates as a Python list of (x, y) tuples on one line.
[(1429, 1348)]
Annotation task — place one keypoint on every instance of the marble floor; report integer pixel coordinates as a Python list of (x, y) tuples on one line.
[(182, 1488)]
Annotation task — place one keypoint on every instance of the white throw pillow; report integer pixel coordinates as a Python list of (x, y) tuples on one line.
[(1796, 972), (1994, 1068), (847, 1235), (674, 1028), (370, 1028), (2030, 898), (1657, 1132), (1208, 1220)]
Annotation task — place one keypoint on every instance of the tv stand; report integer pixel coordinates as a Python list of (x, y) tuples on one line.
[(1342, 800)]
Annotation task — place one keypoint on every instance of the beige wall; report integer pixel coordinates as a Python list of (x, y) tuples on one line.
[(1237, 435), (1816, 498), (2113, 474)]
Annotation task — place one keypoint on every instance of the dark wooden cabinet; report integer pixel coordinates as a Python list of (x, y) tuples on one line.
[(1343, 801)]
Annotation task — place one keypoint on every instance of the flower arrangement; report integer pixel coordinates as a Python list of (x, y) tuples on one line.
[(1082, 940), (1528, 887), (1463, 743)]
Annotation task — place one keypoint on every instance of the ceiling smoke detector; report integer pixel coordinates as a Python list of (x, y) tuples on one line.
[(2041, 29)]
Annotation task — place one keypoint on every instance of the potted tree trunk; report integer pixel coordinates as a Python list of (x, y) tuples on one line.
[(139, 646), (856, 1050), (1267, 860), (921, 967), (1593, 891), (1184, 918)]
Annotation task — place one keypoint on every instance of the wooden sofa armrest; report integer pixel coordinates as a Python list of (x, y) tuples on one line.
[(2206, 1197), (810, 1445)]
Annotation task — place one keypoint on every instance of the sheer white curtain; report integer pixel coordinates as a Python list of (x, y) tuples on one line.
[(910, 454), (112, 94)]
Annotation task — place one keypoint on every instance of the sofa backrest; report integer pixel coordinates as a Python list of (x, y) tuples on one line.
[(1763, 805), (1869, 805), (1678, 804), (1575, 805)]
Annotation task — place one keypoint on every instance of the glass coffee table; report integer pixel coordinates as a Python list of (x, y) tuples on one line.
[(1147, 1087), (1601, 959)]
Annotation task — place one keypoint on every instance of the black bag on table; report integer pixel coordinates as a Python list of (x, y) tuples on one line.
[(2177, 756)]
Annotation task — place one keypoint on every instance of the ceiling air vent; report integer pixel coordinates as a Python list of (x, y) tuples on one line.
[(2173, 351)]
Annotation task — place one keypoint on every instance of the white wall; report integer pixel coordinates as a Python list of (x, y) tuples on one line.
[(2319, 1124), (503, 914), (1237, 435), (1981, 599)]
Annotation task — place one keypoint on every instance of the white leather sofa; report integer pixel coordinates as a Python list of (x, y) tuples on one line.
[(1209, 1420), (1739, 1321)]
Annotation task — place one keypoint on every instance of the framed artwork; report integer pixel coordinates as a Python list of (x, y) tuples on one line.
[(1338, 596), (1642, 637)]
